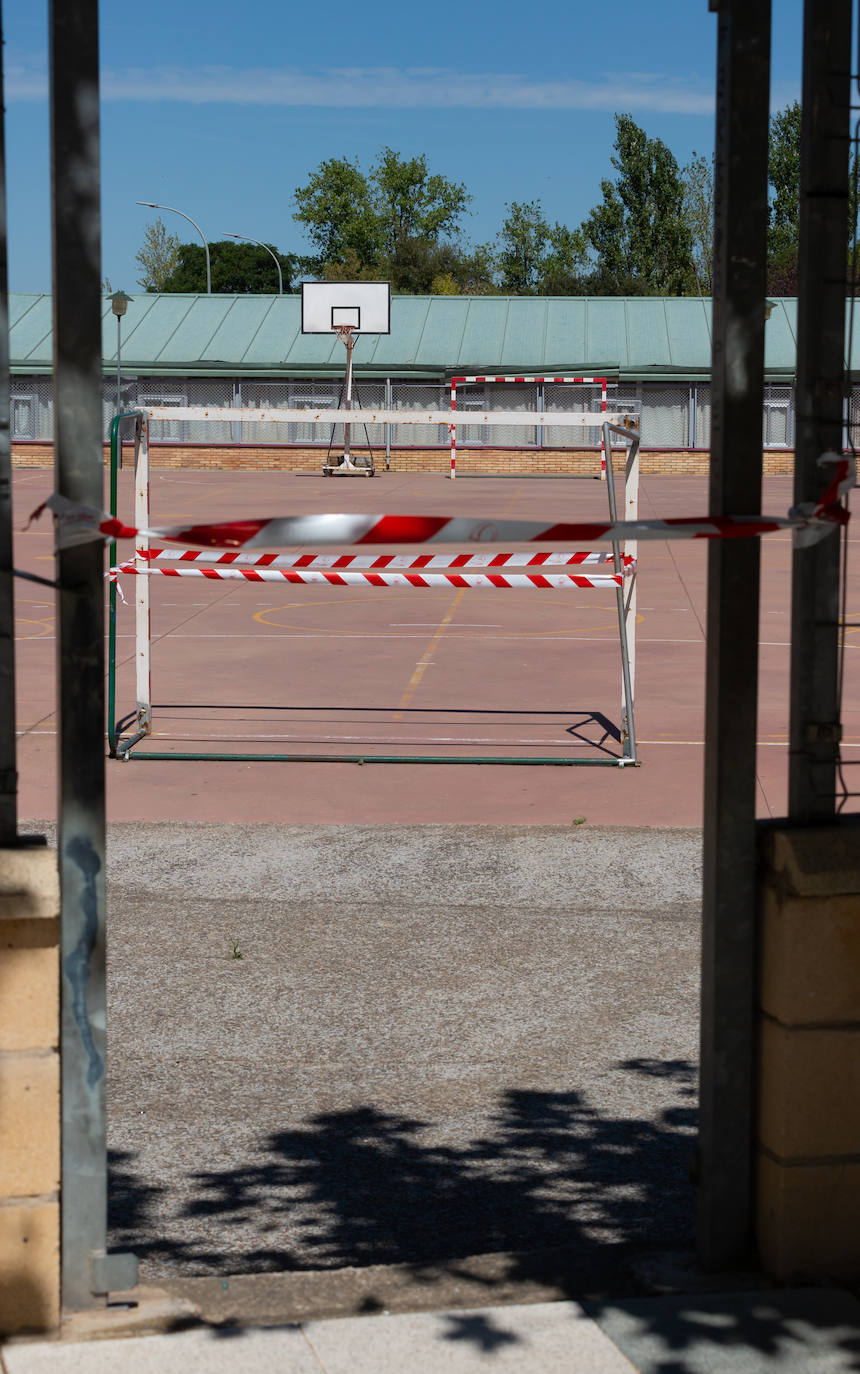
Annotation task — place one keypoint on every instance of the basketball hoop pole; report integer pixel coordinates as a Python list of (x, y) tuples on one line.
[(344, 333)]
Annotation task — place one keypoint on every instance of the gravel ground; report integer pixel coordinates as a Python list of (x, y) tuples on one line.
[(438, 1041)]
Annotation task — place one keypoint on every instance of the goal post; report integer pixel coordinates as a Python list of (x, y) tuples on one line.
[(553, 572), (534, 417)]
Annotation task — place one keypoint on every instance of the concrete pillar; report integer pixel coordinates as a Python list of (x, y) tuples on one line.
[(808, 1097), (29, 1091)]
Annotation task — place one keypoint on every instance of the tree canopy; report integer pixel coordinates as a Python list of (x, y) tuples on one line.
[(236, 268), (639, 233), (783, 171), (395, 222), (650, 234), (157, 257)]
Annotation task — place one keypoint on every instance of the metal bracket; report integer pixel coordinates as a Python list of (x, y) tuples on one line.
[(112, 1273), (822, 732)]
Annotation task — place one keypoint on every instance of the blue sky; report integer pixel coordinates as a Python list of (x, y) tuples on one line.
[(223, 112)]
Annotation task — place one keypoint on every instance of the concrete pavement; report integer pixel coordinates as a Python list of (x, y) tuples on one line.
[(438, 1042), (787, 1331)]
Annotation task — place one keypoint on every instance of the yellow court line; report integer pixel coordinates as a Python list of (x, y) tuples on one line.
[(415, 680)]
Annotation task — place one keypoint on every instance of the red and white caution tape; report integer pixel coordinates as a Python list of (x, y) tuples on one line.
[(368, 562), (353, 578), (78, 524)]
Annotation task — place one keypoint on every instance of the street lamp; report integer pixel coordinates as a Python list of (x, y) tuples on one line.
[(119, 304), (248, 238), (151, 205)]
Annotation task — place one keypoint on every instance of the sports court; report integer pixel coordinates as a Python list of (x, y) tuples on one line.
[(260, 668)]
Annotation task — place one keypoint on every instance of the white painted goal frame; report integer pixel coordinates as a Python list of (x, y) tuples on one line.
[(584, 381), (624, 556)]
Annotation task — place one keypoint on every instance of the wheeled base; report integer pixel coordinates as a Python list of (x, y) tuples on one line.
[(345, 467)]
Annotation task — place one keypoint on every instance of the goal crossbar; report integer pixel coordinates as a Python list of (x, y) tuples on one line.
[(566, 419)]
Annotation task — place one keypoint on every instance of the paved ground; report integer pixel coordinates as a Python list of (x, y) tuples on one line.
[(438, 1042), (789, 1331), (335, 670)]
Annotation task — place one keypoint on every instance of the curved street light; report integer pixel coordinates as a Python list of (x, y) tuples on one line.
[(151, 205), (248, 239)]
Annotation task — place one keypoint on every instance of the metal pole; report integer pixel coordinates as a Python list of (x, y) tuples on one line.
[(118, 363), (814, 729), (628, 731), (248, 238), (87, 1274), (347, 404), (387, 426), (151, 205), (729, 887), (8, 759)]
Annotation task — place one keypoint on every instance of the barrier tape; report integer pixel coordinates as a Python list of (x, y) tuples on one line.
[(396, 562), (78, 524), (380, 579)]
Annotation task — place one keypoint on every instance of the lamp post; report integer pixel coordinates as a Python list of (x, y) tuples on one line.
[(119, 304), (151, 205), (248, 239)]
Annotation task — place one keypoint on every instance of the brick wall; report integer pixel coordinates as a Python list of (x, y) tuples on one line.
[(272, 458)]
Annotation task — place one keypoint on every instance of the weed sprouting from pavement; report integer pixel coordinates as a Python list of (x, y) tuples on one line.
[(235, 951), (579, 820)]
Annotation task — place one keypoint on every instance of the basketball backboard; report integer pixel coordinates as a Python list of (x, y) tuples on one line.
[(365, 305)]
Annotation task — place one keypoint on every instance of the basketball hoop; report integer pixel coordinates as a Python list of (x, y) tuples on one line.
[(347, 310)]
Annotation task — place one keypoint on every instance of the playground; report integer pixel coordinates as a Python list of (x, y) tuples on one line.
[(256, 668)]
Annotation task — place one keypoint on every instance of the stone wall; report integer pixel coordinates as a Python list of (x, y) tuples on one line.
[(808, 1149), (29, 1090)]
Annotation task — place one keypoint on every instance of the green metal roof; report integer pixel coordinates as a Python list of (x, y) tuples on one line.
[(431, 336)]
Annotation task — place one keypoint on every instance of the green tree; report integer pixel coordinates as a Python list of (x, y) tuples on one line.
[(158, 256), (237, 268), (698, 205), (638, 233), (522, 245), (476, 271), (337, 212), (410, 203), (783, 173), (390, 222), (565, 262)]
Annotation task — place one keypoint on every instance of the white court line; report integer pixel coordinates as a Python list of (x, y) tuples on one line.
[(445, 739), (431, 624), (354, 634)]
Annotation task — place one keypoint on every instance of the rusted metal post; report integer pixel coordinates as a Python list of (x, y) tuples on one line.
[(87, 1273), (729, 891), (822, 267), (8, 764)]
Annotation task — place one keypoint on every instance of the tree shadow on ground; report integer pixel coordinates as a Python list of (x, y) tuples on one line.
[(570, 1195), (362, 1186)]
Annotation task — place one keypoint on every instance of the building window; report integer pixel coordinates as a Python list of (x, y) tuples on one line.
[(778, 421), (23, 417)]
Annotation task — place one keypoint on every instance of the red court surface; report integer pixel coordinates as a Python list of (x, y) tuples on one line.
[(260, 667)]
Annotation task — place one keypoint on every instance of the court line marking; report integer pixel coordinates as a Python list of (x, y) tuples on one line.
[(427, 657), (459, 739)]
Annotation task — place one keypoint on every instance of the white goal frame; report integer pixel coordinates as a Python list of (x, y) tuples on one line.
[(540, 380), (624, 555)]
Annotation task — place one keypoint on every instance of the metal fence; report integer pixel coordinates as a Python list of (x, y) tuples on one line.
[(672, 415)]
